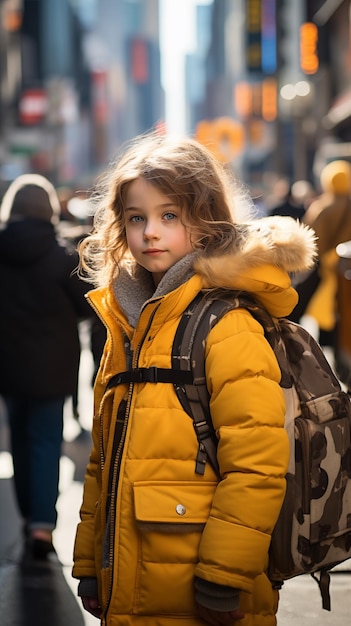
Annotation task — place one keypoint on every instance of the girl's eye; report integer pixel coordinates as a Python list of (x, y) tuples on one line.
[(136, 218), (169, 216)]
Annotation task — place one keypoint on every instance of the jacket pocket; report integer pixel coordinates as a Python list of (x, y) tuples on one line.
[(170, 517)]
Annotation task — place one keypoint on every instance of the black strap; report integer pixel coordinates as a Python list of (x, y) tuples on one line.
[(151, 375), (324, 584)]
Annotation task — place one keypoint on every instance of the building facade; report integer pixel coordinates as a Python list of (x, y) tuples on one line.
[(78, 78)]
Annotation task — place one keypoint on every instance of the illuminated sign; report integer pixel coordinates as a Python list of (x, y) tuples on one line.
[(269, 37), (309, 61), (269, 99), (261, 36), (253, 36)]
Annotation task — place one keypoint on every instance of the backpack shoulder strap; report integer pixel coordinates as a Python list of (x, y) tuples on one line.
[(188, 354)]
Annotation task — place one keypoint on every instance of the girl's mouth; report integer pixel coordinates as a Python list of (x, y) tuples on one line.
[(153, 251)]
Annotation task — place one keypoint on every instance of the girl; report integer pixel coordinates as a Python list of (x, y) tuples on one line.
[(158, 544)]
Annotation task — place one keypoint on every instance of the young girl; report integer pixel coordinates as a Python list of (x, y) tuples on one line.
[(158, 544)]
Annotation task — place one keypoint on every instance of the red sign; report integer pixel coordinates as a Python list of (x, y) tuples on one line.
[(33, 106), (139, 61), (99, 87)]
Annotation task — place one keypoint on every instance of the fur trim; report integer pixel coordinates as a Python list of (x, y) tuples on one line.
[(282, 241), (279, 241)]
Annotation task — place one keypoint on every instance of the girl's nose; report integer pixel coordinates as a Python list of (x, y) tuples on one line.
[(151, 231)]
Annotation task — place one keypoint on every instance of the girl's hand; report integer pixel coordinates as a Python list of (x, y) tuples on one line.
[(219, 618), (92, 605)]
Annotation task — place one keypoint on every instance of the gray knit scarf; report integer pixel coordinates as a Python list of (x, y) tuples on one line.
[(134, 285)]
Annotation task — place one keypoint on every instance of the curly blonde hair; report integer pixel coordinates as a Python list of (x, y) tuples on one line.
[(182, 169)]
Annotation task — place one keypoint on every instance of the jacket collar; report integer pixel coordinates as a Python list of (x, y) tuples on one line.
[(134, 285)]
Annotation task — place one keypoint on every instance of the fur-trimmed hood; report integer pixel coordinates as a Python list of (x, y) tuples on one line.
[(279, 241), (270, 250), (267, 252)]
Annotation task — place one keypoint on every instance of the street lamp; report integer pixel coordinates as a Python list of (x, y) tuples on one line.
[(291, 92), (295, 101)]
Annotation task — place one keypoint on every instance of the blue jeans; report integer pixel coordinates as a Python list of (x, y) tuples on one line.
[(36, 431)]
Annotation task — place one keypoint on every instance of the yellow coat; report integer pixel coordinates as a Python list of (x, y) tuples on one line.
[(167, 524), (330, 217)]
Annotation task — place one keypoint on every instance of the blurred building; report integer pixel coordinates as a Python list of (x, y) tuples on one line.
[(124, 57), (10, 69), (276, 95), (78, 78), (267, 87)]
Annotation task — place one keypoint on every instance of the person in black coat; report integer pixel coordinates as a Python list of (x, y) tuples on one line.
[(288, 206), (42, 302)]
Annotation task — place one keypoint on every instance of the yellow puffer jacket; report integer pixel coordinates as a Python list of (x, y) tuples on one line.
[(148, 534)]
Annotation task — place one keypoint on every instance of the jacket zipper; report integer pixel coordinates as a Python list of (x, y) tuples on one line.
[(117, 463)]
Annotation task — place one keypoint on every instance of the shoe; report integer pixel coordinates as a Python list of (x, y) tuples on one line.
[(40, 549)]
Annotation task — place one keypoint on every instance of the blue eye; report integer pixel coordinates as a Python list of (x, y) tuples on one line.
[(136, 218), (169, 216)]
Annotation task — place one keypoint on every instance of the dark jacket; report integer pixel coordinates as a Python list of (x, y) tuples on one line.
[(42, 300)]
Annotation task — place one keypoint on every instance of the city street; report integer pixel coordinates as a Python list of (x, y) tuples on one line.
[(36, 595)]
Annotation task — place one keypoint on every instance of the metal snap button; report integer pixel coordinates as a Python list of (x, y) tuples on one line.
[(180, 509)]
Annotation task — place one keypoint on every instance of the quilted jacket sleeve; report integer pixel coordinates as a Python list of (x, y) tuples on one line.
[(248, 409), (84, 565), (86, 535)]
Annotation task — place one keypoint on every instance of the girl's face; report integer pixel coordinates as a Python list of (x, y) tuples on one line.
[(156, 235)]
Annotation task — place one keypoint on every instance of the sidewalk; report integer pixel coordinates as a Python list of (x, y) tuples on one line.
[(38, 595), (32, 593)]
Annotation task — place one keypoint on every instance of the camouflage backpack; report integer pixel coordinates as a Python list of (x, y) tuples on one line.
[(313, 532)]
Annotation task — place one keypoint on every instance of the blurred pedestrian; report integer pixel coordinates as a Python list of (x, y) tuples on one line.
[(303, 193), (287, 204), (329, 215), (42, 301)]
